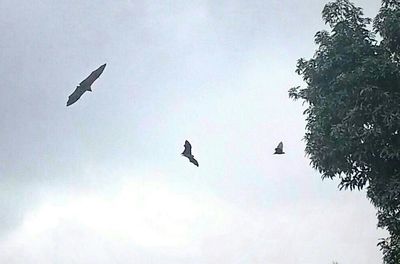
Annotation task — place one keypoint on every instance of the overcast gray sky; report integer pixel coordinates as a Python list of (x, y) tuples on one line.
[(102, 181)]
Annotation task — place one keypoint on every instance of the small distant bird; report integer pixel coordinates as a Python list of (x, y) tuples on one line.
[(188, 153), (85, 85), (279, 149)]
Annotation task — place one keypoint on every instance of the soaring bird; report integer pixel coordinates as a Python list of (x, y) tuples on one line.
[(188, 153), (279, 149), (85, 85)]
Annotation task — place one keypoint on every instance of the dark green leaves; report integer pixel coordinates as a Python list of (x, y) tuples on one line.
[(352, 95)]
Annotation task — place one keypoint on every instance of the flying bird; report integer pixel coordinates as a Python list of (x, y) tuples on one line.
[(279, 149), (188, 153), (85, 85)]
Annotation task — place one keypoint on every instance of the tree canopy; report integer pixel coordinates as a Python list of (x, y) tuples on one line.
[(353, 108)]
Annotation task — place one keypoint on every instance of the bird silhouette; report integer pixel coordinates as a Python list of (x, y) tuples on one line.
[(85, 85), (188, 153), (279, 149)]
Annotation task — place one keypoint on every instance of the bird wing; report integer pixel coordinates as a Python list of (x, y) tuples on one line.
[(192, 160), (93, 76), (75, 95), (280, 146), (188, 149)]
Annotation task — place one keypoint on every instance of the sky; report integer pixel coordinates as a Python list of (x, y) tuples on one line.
[(103, 181)]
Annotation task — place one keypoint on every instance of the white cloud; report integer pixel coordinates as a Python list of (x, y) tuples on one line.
[(154, 218), (148, 215)]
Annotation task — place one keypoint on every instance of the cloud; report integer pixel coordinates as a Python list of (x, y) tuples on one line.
[(146, 215), (103, 182), (154, 220)]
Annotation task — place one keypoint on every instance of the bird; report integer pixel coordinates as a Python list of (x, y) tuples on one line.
[(85, 85), (279, 149), (188, 153)]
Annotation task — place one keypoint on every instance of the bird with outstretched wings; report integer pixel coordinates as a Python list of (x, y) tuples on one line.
[(85, 85), (279, 149), (187, 152)]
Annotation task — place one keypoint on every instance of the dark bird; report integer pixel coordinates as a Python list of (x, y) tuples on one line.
[(188, 153), (85, 85), (279, 149)]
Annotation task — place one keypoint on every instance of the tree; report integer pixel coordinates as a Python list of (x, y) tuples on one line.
[(353, 108)]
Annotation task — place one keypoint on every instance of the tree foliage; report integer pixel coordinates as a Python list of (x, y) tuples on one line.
[(353, 108)]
